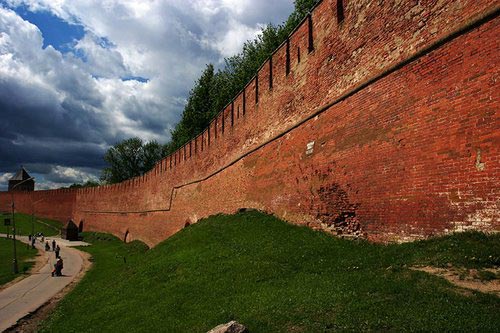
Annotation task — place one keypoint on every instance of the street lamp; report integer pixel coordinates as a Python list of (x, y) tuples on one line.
[(14, 260)]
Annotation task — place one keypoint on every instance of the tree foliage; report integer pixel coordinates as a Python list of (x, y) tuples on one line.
[(131, 158), (88, 183), (197, 112)]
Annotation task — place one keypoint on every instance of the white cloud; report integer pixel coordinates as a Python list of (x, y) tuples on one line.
[(70, 175), (100, 60), (5, 177), (232, 42)]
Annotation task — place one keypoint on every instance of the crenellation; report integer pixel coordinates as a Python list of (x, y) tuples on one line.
[(243, 102), (257, 88), (232, 113), (310, 39), (270, 61)]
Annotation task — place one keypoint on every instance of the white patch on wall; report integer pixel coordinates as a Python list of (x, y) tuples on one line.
[(480, 166), (483, 220), (310, 148)]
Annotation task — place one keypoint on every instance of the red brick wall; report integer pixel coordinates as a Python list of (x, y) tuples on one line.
[(55, 204), (399, 100)]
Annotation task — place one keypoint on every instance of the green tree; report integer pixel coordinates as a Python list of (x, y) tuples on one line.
[(88, 183), (197, 112), (131, 158), (152, 152), (301, 8)]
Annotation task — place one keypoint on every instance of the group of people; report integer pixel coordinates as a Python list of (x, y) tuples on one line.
[(32, 238), (55, 247), (58, 266)]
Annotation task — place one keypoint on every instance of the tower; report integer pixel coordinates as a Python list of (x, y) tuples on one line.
[(23, 177)]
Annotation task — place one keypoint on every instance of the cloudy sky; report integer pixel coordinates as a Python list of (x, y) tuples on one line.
[(77, 76)]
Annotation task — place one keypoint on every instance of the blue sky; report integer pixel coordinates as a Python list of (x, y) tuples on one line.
[(77, 76), (55, 31)]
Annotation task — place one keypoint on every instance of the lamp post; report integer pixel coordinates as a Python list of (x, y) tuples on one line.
[(14, 260)]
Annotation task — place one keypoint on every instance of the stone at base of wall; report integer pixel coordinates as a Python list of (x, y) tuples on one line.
[(231, 327)]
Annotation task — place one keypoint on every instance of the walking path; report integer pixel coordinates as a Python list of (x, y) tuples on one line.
[(27, 295)]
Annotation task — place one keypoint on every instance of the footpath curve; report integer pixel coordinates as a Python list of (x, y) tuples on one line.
[(29, 294)]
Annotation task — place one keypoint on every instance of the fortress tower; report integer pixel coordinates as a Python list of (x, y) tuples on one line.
[(22, 176)]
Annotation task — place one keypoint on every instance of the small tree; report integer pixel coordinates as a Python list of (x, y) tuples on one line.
[(197, 112), (131, 158), (88, 183)]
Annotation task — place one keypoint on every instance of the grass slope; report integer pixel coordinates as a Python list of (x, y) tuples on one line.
[(24, 225), (276, 277), (23, 253)]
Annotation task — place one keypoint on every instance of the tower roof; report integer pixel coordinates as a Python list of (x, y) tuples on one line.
[(22, 174)]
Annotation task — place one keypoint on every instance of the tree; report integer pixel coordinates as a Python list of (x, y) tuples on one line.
[(131, 158), (152, 152), (88, 183), (197, 112), (302, 7)]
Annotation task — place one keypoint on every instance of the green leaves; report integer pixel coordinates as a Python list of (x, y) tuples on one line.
[(197, 112), (131, 158)]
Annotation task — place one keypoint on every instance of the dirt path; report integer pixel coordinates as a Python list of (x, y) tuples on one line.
[(466, 278)]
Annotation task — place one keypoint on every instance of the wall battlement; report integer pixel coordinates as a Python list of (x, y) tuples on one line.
[(371, 119)]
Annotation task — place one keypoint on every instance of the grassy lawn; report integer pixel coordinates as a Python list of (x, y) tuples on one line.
[(24, 225), (276, 277), (23, 254)]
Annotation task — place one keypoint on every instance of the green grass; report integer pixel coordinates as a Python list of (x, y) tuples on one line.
[(6, 253), (276, 277), (24, 225)]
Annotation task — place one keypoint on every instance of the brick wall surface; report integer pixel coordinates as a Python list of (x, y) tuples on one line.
[(384, 124)]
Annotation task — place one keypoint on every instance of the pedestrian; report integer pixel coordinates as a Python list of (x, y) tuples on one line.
[(58, 266), (47, 246), (29, 237), (33, 240), (43, 238), (53, 245), (58, 249)]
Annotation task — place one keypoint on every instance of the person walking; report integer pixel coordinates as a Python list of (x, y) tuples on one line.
[(53, 245), (58, 249), (47, 246), (33, 240), (58, 266)]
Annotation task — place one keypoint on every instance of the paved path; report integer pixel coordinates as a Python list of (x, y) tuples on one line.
[(29, 294)]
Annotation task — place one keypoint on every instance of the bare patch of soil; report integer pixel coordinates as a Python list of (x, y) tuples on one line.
[(472, 279), (29, 324)]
